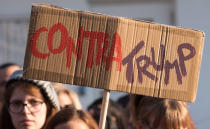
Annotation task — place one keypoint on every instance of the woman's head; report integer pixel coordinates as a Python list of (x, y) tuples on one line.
[(162, 114), (116, 118), (66, 96), (28, 103), (26, 106), (71, 118)]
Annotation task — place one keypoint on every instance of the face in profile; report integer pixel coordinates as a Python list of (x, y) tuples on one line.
[(73, 124), (27, 111)]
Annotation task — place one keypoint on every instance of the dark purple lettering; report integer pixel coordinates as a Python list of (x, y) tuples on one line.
[(143, 69), (153, 63), (169, 66), (129, 60), (183, 58)]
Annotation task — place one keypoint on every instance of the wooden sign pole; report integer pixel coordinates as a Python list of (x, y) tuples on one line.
[(104, 109)]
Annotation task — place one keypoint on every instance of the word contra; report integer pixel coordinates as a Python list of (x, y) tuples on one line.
[(102, 38), (68, 44)]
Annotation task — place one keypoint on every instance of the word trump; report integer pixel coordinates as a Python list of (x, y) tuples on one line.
[(106, 54), (180, 68)]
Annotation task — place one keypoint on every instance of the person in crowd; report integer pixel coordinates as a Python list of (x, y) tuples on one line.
[(115, 119), (6, 71), (66, 96), (133, 107), (71, 118), (124, 100), (158, 113), (28, 104)]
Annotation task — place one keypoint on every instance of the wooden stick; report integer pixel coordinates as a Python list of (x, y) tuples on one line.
[(104, 109)]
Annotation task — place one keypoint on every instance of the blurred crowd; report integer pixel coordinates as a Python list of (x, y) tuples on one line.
[(36, 104)]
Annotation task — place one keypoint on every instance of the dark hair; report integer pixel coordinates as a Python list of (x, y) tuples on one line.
[(5, 119), (71, 113), (114, 111), (124, 100), (134, 106), (6, 65)]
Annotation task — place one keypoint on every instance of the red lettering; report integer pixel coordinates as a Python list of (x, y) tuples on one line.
[(93, 37), (80, 43), (106, 45), (70, 48), (102, 38), (116, 44), (33, 43), (66, 42), (64, 36)]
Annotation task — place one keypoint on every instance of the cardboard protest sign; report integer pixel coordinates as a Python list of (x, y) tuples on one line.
[(113, 53)]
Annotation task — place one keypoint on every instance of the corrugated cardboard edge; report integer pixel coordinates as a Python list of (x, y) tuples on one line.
[(177, 30)]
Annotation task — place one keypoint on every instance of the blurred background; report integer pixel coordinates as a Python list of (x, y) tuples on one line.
[(14, 22)]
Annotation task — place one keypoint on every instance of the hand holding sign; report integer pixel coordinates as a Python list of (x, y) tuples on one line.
[(110, 53)]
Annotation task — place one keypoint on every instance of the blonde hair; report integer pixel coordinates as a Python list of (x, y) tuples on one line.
[(59, 88), (171, 114)]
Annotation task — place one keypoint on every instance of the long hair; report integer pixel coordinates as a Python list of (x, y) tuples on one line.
[(5, 119), (69, 114), (170, 114)]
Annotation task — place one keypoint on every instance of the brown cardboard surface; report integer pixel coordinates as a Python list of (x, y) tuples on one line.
[(113, 53)]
